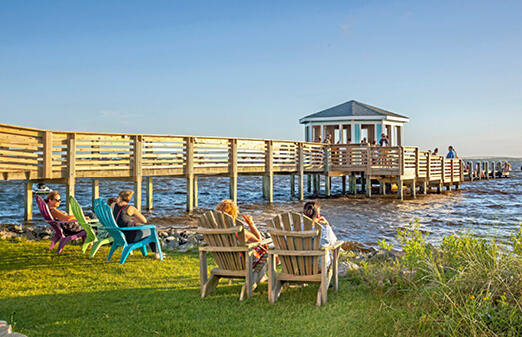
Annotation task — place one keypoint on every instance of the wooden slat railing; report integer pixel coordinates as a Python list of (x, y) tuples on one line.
[(33, 154)]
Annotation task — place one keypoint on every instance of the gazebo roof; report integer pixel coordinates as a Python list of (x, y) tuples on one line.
[(353, 110)]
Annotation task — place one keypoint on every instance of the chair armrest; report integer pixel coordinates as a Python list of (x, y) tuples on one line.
[(260, 243), (92, 221), (137, 228), (333, 246)]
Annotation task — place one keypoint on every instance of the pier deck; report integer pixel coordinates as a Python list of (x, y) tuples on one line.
[(35, 155)]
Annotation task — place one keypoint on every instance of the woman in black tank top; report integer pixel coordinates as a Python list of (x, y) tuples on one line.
[(128, 216)]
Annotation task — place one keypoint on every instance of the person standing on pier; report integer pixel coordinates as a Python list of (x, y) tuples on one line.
[(435, 152), (451, 154), (384, 140)]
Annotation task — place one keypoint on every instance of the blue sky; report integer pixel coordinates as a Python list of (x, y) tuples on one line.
[(253, 68)]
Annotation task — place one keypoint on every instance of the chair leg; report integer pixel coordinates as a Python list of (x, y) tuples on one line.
[(96, 246), (246, 290), (86, 244), (144, 250), (113, 249), (54, 240), (211, 284), (62, 243), (274, 286), (124, 254), (323, 288)]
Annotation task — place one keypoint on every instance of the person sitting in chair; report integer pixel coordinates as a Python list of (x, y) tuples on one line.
[(254, 235), (128, 216), (54, 199), (312, 209)]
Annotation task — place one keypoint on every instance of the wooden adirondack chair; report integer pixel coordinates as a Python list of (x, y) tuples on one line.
[(225, 239), (59, 236), (104, 214), (297, 241), (97, 240)]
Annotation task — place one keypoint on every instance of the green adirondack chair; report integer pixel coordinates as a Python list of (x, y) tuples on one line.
[(97, 240)]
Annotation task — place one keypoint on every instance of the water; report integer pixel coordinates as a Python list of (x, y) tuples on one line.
[(487, 208)]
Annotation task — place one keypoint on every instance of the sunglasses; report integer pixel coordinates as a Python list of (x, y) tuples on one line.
[(58, 200)]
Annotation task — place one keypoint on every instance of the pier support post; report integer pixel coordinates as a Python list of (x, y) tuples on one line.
[(300, 169), (28, 204), (196, 192), (353, 184), (382, 187), (479, 170), (486, 169), (148, 182), (327, 183), (369, 186), (292, 185), (399, 189), (137, 192), (470, 171), (69, 190), (95, 187), (343, 184), (439, 188), (309, 183), (232, 169), (413, 188), (189, 172)]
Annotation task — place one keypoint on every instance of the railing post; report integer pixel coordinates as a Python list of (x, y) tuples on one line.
[(47, 164), (300, 169), (269, 170), (71, 169), (137, 170), (189, 171), (443, 174), (232, 168), (452, 173), (417, 162), (327, 159)]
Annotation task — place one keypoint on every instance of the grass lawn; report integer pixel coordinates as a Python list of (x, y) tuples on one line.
[(45, 294)]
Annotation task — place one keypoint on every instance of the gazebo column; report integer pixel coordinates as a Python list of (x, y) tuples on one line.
[(341, 136)]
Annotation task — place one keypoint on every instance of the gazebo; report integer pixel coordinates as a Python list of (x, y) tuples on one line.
[(353, 122)]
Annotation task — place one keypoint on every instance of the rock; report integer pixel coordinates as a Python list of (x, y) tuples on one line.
[(9, 235), (45, 237), (345, 267), (171, 243), (46, 231), (30, 235), (195, 239), (351, 245), (16, 229), (185, 247), (387, 255)]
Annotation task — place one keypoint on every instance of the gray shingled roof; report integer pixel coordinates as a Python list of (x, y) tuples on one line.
[(353, 108)]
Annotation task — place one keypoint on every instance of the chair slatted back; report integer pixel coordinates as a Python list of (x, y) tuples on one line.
[(104, 214), (78, 214), (46, 214), (296, 232), (235, 238)]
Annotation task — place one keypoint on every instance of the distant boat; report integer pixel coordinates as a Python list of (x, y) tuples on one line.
[(40, 188)]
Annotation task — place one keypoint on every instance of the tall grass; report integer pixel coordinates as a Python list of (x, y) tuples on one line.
[(466, 287)]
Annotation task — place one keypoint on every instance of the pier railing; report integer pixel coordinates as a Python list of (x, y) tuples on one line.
[(34, 154)]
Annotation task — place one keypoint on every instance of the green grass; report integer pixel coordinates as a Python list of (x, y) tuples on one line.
[(45, 294)]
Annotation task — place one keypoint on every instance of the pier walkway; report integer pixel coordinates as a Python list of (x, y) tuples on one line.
[(55, 157)]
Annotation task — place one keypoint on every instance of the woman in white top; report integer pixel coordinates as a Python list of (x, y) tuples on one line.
[(312, 209)]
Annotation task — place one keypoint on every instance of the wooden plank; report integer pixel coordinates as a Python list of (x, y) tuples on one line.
[(47, 155)]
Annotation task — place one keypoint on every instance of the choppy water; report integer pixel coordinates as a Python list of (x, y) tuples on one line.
[(487, 208)]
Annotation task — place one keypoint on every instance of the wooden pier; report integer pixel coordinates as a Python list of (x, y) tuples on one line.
[(56, 157)]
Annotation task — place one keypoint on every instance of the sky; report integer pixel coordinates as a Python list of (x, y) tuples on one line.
[(251, 69)]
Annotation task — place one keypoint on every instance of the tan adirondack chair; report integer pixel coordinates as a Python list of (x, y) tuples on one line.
[(297, 241), (225, 239)]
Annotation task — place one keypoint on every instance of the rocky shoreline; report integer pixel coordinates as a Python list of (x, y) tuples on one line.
[(170, 238)]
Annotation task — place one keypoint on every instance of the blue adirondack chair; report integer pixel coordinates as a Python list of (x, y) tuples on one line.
[(104, 214)]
